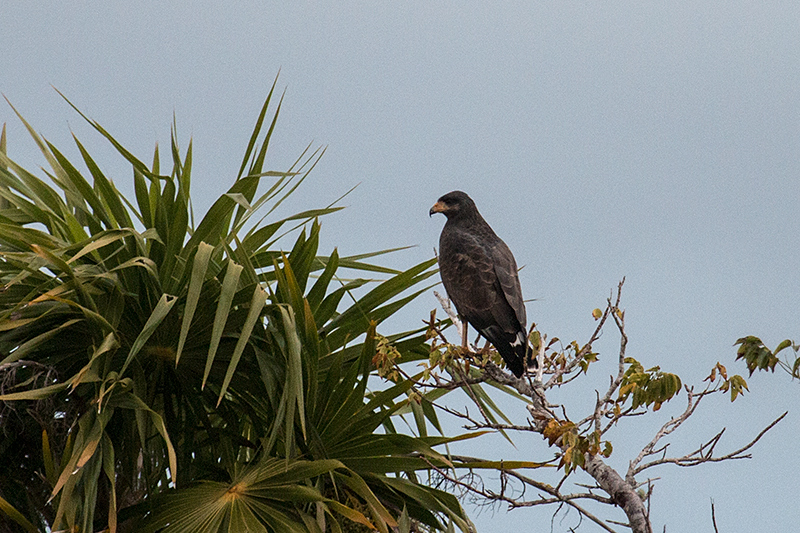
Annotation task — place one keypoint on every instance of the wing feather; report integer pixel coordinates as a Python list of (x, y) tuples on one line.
[(505, 268)]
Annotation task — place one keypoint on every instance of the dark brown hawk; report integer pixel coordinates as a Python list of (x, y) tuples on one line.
[(480, 276)]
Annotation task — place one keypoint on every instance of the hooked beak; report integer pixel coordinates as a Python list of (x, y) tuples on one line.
[(438, 207)]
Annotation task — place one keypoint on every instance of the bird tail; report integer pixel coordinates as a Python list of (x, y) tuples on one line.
[(514, 349), (516, 365), (515, 357)]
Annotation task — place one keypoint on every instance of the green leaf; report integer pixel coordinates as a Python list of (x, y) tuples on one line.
[(254, 313), (199, 268), (783, 345), (6, 507), (25, 349), (294, 373), (354, 320), (229, 286), (257, 129), (109, 195), (101, 240), (138, 165), (161, 310)]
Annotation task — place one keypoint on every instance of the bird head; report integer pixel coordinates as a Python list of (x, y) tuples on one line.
[(453, 205)]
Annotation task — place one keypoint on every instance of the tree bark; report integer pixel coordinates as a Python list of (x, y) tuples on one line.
[(621, 492)]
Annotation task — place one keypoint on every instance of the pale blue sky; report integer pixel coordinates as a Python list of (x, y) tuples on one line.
[(657, 141)]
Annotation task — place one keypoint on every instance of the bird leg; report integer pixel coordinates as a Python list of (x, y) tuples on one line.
[(464, 336)]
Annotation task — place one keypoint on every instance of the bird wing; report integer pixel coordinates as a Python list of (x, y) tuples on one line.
[(505, 268), (482, 281), (468, 277)]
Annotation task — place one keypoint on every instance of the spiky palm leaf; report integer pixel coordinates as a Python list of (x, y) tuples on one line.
[(196, 375)]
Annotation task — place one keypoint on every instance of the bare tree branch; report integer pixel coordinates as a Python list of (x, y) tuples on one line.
[(704, 453), (666, 429), (556, 497), (578, 444)]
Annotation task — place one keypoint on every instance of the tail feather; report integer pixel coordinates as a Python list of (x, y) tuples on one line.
[(513, 347), (515, 355)]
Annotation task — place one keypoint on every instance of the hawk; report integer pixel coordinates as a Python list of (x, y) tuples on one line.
[(480, 276)]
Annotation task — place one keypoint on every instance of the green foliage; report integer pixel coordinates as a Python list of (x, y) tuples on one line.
[(758, 357), (647, 387), (574, 445), (201, 376), (735, 384)]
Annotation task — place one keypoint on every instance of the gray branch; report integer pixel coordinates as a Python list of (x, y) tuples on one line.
[(626, 493)]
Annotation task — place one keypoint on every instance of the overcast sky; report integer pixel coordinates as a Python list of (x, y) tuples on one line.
[(657, 141)]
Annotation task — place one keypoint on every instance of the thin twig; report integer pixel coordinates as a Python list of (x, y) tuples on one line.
[(556, 497), (714, 517), (666, 429), (703, 455)]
